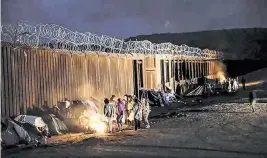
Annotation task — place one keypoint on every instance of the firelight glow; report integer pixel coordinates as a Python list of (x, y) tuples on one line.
[(254, 83), (220, 76), (96, 123)]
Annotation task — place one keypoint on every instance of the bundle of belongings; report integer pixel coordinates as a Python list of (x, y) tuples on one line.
[(24, 129), (155, 97), (159, 98)]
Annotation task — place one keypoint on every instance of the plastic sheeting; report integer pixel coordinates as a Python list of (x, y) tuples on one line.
[(22, 133), (90, 105), (10, 137), (14, 134), (33, 120)]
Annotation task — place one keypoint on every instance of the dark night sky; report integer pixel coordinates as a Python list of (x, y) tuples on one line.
[(124, 18)]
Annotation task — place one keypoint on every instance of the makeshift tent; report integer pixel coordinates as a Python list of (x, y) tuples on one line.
[(90, 105), (35, 126), (9, 136), (56, 126), (22, 133), (78, 108), (45, 110)]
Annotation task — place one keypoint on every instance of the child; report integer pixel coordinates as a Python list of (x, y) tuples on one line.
[(137, 114), (108, 112), (119, 111)]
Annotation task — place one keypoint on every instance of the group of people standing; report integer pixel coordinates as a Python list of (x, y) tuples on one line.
[(131, 109), (230, 85)]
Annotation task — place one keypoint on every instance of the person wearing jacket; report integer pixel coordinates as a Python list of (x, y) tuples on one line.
[(137, 114), (120, 113), (109, 113), (129, 108), (113, 101), (145, 111)]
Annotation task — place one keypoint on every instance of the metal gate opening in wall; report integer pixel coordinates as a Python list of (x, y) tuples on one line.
[(165, 72), (138, 77)]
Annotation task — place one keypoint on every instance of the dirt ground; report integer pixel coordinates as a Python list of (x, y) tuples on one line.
[(222, 126)]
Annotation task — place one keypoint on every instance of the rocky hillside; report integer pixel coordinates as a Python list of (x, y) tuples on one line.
[(250, 43)]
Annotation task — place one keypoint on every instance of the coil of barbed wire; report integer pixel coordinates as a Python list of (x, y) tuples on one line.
[(57, 37)]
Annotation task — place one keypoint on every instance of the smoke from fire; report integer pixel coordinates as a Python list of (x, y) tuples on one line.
[(220, 71)]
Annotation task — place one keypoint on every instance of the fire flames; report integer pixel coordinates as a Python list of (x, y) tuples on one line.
[(93, 121), (96, 123), (220, 71)]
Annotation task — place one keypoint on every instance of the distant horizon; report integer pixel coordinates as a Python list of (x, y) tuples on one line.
[(199, 31)]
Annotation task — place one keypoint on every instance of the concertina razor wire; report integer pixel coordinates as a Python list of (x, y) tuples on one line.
[(57, 37)]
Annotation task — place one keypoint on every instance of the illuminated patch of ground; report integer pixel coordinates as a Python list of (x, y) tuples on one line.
[(249, 84)]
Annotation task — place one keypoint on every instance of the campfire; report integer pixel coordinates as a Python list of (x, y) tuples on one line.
[(93, 121), (96, 122)]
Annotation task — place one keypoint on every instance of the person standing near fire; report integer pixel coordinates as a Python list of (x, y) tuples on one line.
[(243, 81), (235, 85), (119, 111), (109, 113), (137, 114), (112, 101)]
